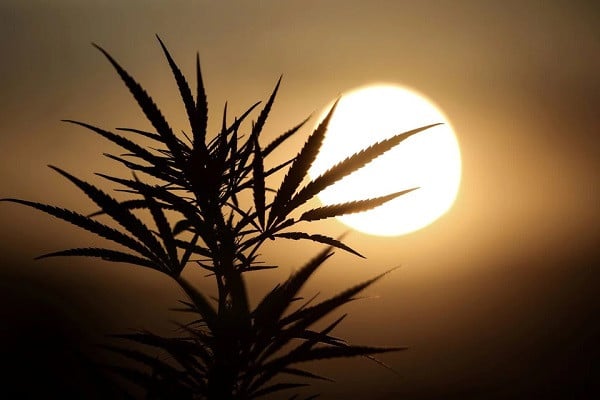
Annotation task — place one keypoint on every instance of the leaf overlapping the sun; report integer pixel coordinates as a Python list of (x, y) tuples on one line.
[(335, 210), (350, 165), (298, 169)]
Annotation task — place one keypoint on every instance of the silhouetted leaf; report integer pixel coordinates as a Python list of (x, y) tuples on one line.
[(185, 93), (125, 143), (201, 108), (350, 207), (89, 225), (147, 134), (283, 137), (318, 238), (120, 214), (262, 117), (309, 315), (259, 183), (149, 108), (298, 169), (350, 165), (105, 254), (164, 229), (207, 312)]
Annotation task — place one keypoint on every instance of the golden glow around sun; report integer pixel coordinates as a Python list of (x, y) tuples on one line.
[(429, 160)]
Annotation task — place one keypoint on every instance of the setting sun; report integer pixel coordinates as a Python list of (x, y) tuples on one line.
[(429, 160)]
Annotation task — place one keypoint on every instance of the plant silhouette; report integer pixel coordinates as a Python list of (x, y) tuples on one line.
[(191, 186)]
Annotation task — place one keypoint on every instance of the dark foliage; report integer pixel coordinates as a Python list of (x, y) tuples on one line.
[(190, 188)]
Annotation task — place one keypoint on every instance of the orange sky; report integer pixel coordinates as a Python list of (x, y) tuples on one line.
[(484, 296)]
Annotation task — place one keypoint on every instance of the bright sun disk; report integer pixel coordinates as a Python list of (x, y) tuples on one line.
[(429, 160)]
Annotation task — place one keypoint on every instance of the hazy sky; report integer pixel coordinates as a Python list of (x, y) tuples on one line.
[(495, 298)]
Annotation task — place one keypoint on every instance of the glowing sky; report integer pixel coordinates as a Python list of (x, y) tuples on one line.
[(484, 295)]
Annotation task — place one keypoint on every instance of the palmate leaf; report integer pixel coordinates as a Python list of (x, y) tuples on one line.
[(335, 210), (149, 108), (298, 169), (350, 165)]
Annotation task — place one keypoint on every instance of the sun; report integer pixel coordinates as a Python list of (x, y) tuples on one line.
[(429, 160)]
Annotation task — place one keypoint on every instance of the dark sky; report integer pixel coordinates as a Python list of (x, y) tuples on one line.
[(497, 299)]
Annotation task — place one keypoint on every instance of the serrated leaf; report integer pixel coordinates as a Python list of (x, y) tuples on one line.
[(350, 165), (283, 137), (319, 239), (259, 183), (88, 224), (307, 316), (184, 92), (105, 254), (201, 108), (120, 214), (298, 169), (149, 108), (205, 309), (137, 150), (335, 210), (262, 117)]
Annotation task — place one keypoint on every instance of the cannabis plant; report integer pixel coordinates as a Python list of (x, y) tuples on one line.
[(191, 187)]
